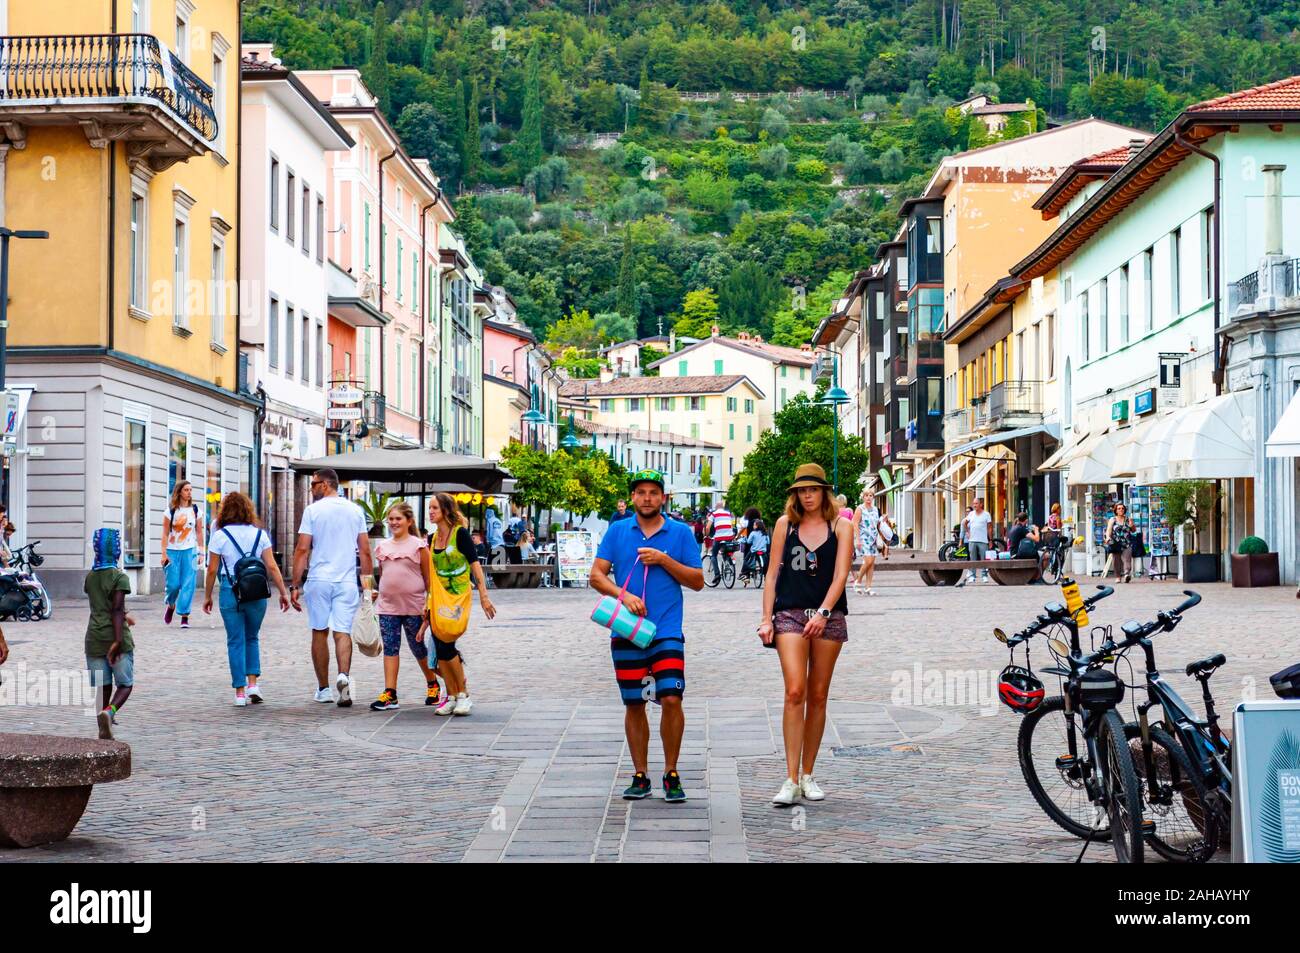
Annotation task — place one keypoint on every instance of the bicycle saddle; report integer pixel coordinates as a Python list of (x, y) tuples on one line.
[(1206, 664)]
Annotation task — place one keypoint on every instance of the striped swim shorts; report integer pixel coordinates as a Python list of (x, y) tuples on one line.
[(649, 674)]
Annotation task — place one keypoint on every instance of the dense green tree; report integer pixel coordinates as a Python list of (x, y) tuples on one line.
[(376, 73), (529, 143), (473, 143), (628, 300), (749, 297)]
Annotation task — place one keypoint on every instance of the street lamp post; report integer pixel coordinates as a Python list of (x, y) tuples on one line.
[(833, 398)]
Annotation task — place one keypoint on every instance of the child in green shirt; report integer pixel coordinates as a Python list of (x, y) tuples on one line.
[(110, 649)]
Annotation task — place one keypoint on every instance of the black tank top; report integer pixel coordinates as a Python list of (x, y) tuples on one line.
[(806, 575)]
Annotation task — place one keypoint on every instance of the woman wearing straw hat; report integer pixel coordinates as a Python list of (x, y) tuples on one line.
[(804, 609)]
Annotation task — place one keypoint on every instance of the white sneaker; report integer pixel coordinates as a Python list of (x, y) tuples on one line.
[(445, 707), (788, 794), (324, 695), (809, 789), (344, 685), (857, 590), (254, 695), (463, 705), (870, 591), (241, 701)]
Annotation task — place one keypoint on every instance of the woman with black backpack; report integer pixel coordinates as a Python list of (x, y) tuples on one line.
[(240, 553)]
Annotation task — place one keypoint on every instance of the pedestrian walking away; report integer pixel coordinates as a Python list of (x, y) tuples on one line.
[(110, 647), (454, 566), (866, 531), (804, 619), (654, 557), (182, 532), (977, 530), (402, 563), (331, 539), (240, 557), (1119, 544), (621, 512)]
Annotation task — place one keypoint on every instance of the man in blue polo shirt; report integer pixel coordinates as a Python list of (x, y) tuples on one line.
[(655, 557)]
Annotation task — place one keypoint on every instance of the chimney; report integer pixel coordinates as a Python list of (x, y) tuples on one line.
[(1135, 146), (806, 347), (1273, 209), (672, 341), (715, 330), (743, 336), (758, 339)]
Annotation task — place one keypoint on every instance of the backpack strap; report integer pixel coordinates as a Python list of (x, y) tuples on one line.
[(238, 549)]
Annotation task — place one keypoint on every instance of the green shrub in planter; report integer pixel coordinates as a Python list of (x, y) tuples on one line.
[(1252, 546)]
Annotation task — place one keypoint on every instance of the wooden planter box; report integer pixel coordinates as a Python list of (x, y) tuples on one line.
[(1257, 570), (1201, 567)]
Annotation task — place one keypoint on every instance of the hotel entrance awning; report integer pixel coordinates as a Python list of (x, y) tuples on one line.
[(1284, 441), (1215, 440)]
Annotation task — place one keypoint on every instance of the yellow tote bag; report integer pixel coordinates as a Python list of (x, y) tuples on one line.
[(450, 593)]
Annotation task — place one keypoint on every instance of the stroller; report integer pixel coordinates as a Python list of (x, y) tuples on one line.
[(22, 594)]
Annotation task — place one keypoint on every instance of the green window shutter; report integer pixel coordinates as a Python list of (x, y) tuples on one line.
[(717, 366), (681, 369), (731, 431), (749, 432), (783, 370), (695, 430), (672, 403)]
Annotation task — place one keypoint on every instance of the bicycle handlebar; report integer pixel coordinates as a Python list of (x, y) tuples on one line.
[(1102, 593), (1165, 621)]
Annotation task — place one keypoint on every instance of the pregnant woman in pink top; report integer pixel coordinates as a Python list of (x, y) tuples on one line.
[(402, 563)]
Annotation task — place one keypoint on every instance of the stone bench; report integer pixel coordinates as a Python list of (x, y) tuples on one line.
[(45, 783), (936, 572)]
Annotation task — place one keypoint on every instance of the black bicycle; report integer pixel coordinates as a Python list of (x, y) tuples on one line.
[(1182, 761), (1055, 555), (1073, 749), (753, 570), (721, 569)]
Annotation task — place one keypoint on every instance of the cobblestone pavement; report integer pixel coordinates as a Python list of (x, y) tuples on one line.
[(535, 772)]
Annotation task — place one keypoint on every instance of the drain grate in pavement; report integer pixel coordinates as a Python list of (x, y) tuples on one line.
[(872, 751)]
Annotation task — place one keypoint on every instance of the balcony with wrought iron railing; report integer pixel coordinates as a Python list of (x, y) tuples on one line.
[(1015, 404), (1266, 287), (374, 410), (125, 86)]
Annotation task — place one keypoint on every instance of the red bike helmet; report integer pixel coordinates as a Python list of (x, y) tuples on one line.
[(1020, 689)]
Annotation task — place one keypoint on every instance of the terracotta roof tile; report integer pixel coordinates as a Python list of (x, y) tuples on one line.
[(652, 386), (1109, 157), (1283, 94)]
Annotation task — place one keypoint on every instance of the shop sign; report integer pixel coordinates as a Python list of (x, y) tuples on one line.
[(345, 395), (1119, 410), (1144, 401), (344, 413)]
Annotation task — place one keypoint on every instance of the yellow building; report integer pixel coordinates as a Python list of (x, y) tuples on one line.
[(120, 138), (720, 409)]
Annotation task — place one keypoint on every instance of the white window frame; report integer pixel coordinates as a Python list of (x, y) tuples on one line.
[(220, 47), (321, 345), (290, 203), (184, 10), (305, 365), (273, 197), (218, 303), (320, 228), (306, 219), (273, 361), (140, 414), (139, 292), (139, 16), (290, 339), (181, 205)]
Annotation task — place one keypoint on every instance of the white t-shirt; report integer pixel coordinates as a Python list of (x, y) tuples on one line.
[(334, 523), (183, 534), (246, 536), (977, 526)]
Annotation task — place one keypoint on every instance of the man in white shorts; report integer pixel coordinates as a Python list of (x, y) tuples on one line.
[(332, 535)]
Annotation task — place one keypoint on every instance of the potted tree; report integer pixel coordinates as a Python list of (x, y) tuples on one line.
[(375, 507), (1253, 565), (1190, 504)]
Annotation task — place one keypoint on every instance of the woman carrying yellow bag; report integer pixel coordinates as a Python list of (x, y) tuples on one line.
[(454, 566)]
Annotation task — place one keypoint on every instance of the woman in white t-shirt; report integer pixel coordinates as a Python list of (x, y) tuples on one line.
[(182, 532), (235, 535)]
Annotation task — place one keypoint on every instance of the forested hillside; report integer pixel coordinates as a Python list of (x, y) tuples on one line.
[(747, 212)]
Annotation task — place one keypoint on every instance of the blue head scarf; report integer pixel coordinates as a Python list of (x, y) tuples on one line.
[(106, 544)]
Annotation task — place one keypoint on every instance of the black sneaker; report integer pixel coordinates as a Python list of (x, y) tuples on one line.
[(673, 787), (640, 787), (387, 701)]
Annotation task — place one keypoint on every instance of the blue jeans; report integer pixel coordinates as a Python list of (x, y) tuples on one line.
[(243, 622), (180, 579)]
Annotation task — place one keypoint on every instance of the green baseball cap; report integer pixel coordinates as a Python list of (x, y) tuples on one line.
[(645, 476)]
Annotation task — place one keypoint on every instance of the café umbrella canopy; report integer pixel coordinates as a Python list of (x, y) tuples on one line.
[(411, 467)]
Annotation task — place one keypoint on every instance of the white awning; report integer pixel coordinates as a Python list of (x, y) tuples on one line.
[(1284, 441), (924, 475), (998, 454), (956, 462), (1131, 440), (1091, 463), (1152, 464), (1060, 459), (1215, 439)]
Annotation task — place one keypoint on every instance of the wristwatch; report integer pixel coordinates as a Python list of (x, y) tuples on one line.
[(824, 613)]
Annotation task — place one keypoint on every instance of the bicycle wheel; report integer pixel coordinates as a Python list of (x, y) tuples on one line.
[(728, 573), (711, 577), (1052, 569), (1185, 831), (1120, 785), (1054, 779)]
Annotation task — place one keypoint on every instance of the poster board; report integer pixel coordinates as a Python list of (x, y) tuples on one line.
[(575, 551), (1266, 782)]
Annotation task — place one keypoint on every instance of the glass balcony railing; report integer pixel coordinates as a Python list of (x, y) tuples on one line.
[(1014, 399), (76, 69)]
